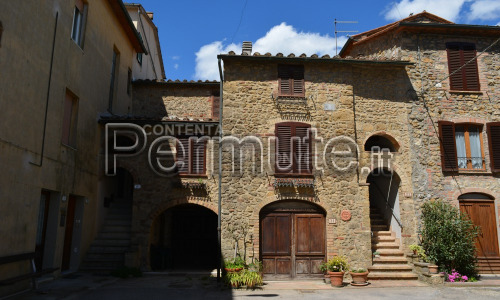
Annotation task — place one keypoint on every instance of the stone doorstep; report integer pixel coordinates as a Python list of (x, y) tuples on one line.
[(320, 285)]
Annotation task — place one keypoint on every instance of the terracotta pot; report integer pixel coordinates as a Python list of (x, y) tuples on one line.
[(359, 278), (233, 270), (433, 269), (336, 278), (414, 252)]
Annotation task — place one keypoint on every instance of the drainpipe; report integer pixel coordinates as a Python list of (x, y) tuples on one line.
[(219, 204), (48, 95)]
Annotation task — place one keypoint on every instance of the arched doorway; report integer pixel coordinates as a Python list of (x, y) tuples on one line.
[(292, 239), (184, 237), (384, 200), (480, 208)]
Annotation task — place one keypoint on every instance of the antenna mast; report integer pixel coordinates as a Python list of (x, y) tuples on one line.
[(337, 31)]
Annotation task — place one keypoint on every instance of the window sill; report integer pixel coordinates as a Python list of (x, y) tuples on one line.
[(465, 92), (302, 97)]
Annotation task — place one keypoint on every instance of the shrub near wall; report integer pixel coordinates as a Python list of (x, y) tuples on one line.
[(448, 238)]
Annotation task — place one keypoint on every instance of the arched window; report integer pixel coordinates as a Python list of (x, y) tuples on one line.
[(475, 196), (379, 142)]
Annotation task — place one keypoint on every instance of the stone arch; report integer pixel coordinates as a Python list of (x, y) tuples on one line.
[(129, 168), (385, 136), (474, 190)]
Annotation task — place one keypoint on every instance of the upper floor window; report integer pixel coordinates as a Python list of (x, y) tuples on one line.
[(493, 130), (79, 17), (191, 155), (70, 119), (293, 148), (291, 81), (467, 78), (461, 146)]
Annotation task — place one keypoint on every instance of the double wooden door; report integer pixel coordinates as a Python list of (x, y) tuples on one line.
[(482, 214), (292, 245)]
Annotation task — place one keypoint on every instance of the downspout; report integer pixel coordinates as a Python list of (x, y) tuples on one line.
[(48, 96), (219, 204)]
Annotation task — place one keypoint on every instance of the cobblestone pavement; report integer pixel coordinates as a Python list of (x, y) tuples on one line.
[(152, 287)]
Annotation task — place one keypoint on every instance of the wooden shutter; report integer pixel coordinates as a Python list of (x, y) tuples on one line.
[(302, 149), (493, 130), (215, 107), (291, 80), (182, 156), (467, 79), (284, 154), (198, 156), (448, 147), (285, 84), (298, 81)]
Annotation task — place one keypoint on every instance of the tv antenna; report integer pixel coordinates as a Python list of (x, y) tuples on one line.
[(345, 31)]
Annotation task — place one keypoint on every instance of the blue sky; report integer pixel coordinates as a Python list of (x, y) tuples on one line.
[(193, 32)]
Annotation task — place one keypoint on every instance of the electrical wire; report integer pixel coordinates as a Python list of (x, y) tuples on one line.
[(239, 23)]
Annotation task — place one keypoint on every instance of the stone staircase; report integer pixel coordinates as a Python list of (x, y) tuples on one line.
[(392, 264), (107, 251), (488, 265)]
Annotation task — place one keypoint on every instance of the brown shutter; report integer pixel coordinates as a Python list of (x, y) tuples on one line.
[(198, 156), (302, 149), (298, 81), (182, 156), (493, 130), (454, 63), (215, 107), (448, 147), (283, 148), (284, 78), (470, 71)]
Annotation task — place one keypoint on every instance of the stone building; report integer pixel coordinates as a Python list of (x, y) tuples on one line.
[(61, 70), (454, 117)]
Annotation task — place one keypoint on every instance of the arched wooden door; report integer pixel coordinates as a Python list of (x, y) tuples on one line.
[(292, 240)]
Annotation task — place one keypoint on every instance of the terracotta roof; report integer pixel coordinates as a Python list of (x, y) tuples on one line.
[(374, 33), (106, 118)]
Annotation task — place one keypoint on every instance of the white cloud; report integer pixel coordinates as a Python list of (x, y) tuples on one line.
[(498, 24), (484, 10), (176, 57), (206, 59), (176, 66), (281, 38), (447, 9)]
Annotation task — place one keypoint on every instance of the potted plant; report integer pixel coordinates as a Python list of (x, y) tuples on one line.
[(235, 265), (359, 277), (233, 279), (324, 268), (336, 269), (417, 249), (433, 269), (376, 254), (250, 278)]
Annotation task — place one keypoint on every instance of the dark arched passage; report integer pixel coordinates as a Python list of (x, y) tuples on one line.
[(184, 237)]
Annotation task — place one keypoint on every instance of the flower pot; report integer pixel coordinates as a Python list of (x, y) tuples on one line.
[(336, 278), (414, 252), (433, 269), (233, 269), (359, 278)]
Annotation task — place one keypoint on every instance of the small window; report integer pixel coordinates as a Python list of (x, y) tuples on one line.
[(79, 19), (291, 81), (70, 119), (461, 146), (129, 81), (293, 148), (191, 155), (494, 144), (467, 79), (139, 58), (114, 79)]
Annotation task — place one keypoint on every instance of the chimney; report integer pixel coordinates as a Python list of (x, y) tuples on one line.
[(150, 15), (247, 48)]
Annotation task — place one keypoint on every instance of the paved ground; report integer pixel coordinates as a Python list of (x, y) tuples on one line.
[(152, 287)]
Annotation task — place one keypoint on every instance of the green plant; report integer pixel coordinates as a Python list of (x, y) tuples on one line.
[(250, 278), (359, 270), (337, 264), (448, 238), (237, 263), (323, 267), (232, 279), (126, 272), (376, 253), (256, 266)]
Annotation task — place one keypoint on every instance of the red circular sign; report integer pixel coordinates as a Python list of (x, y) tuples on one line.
[(345, 215)]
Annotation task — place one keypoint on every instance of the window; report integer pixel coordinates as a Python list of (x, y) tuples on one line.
[(139, 58), (291, 81), (191, 155), (215, 107), (129, 81), (461, 146), (78, 29), (493, 130), (467, 79), (114, 79), (293, 148), (70, 119)]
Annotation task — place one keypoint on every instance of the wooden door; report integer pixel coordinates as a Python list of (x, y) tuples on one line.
[(292, 245), (42, 229), (68, 233), (482, 214)]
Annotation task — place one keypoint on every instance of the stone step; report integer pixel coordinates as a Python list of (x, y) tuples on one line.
[(378, 222), (107, 249), (390, 260), (104, 256), (109, 242), (117, 222), (115, 228), (390, 268), (114, 235), (380, 227), (125, 217), (383, 238), (391, 252), (385, 245), (392, 276), (377, 233)]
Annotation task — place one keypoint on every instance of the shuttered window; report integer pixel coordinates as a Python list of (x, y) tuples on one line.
[(493, 130), (293, 148), (215, 107), (467, 79), (190, 155), (291, 80), (461, 146)]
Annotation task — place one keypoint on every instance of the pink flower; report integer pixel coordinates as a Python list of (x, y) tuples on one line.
[(465, 278)]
